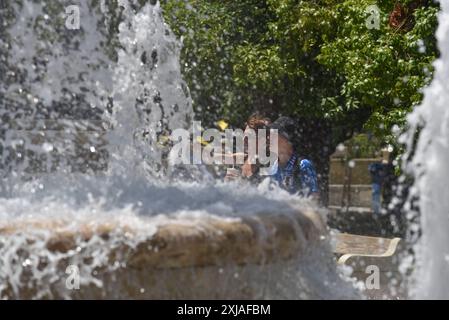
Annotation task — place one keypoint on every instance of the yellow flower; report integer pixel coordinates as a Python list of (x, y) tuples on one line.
[(222, 124)]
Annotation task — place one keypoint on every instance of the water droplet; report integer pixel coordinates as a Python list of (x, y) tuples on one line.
[(351, 164), (47, 147), (26, 263), (341, 147)]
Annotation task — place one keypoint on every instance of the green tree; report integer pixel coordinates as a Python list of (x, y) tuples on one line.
[(384, 70), (314, 60)]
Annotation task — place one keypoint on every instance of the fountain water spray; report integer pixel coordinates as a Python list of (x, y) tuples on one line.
[(127, 230), (150, 97), (429, 167)]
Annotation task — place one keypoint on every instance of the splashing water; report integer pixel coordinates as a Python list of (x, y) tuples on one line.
[(139, 99), (429, 167), (148, 77)]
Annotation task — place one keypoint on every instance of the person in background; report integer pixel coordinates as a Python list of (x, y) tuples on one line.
[(378, 172), (291, 172)]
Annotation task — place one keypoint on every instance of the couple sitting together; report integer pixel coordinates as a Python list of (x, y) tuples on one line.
[(293, 173)]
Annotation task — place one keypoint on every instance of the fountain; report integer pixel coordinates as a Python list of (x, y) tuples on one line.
[(428, 165), (134, 227)]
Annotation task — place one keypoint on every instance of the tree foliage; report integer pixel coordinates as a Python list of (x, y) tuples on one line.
[(312, 59), (384, 70)]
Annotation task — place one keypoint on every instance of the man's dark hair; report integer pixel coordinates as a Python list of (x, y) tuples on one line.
[(285, 127)]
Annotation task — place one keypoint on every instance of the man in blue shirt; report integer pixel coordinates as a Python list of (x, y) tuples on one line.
[(291, 172), (378, 173), (298, 175)]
